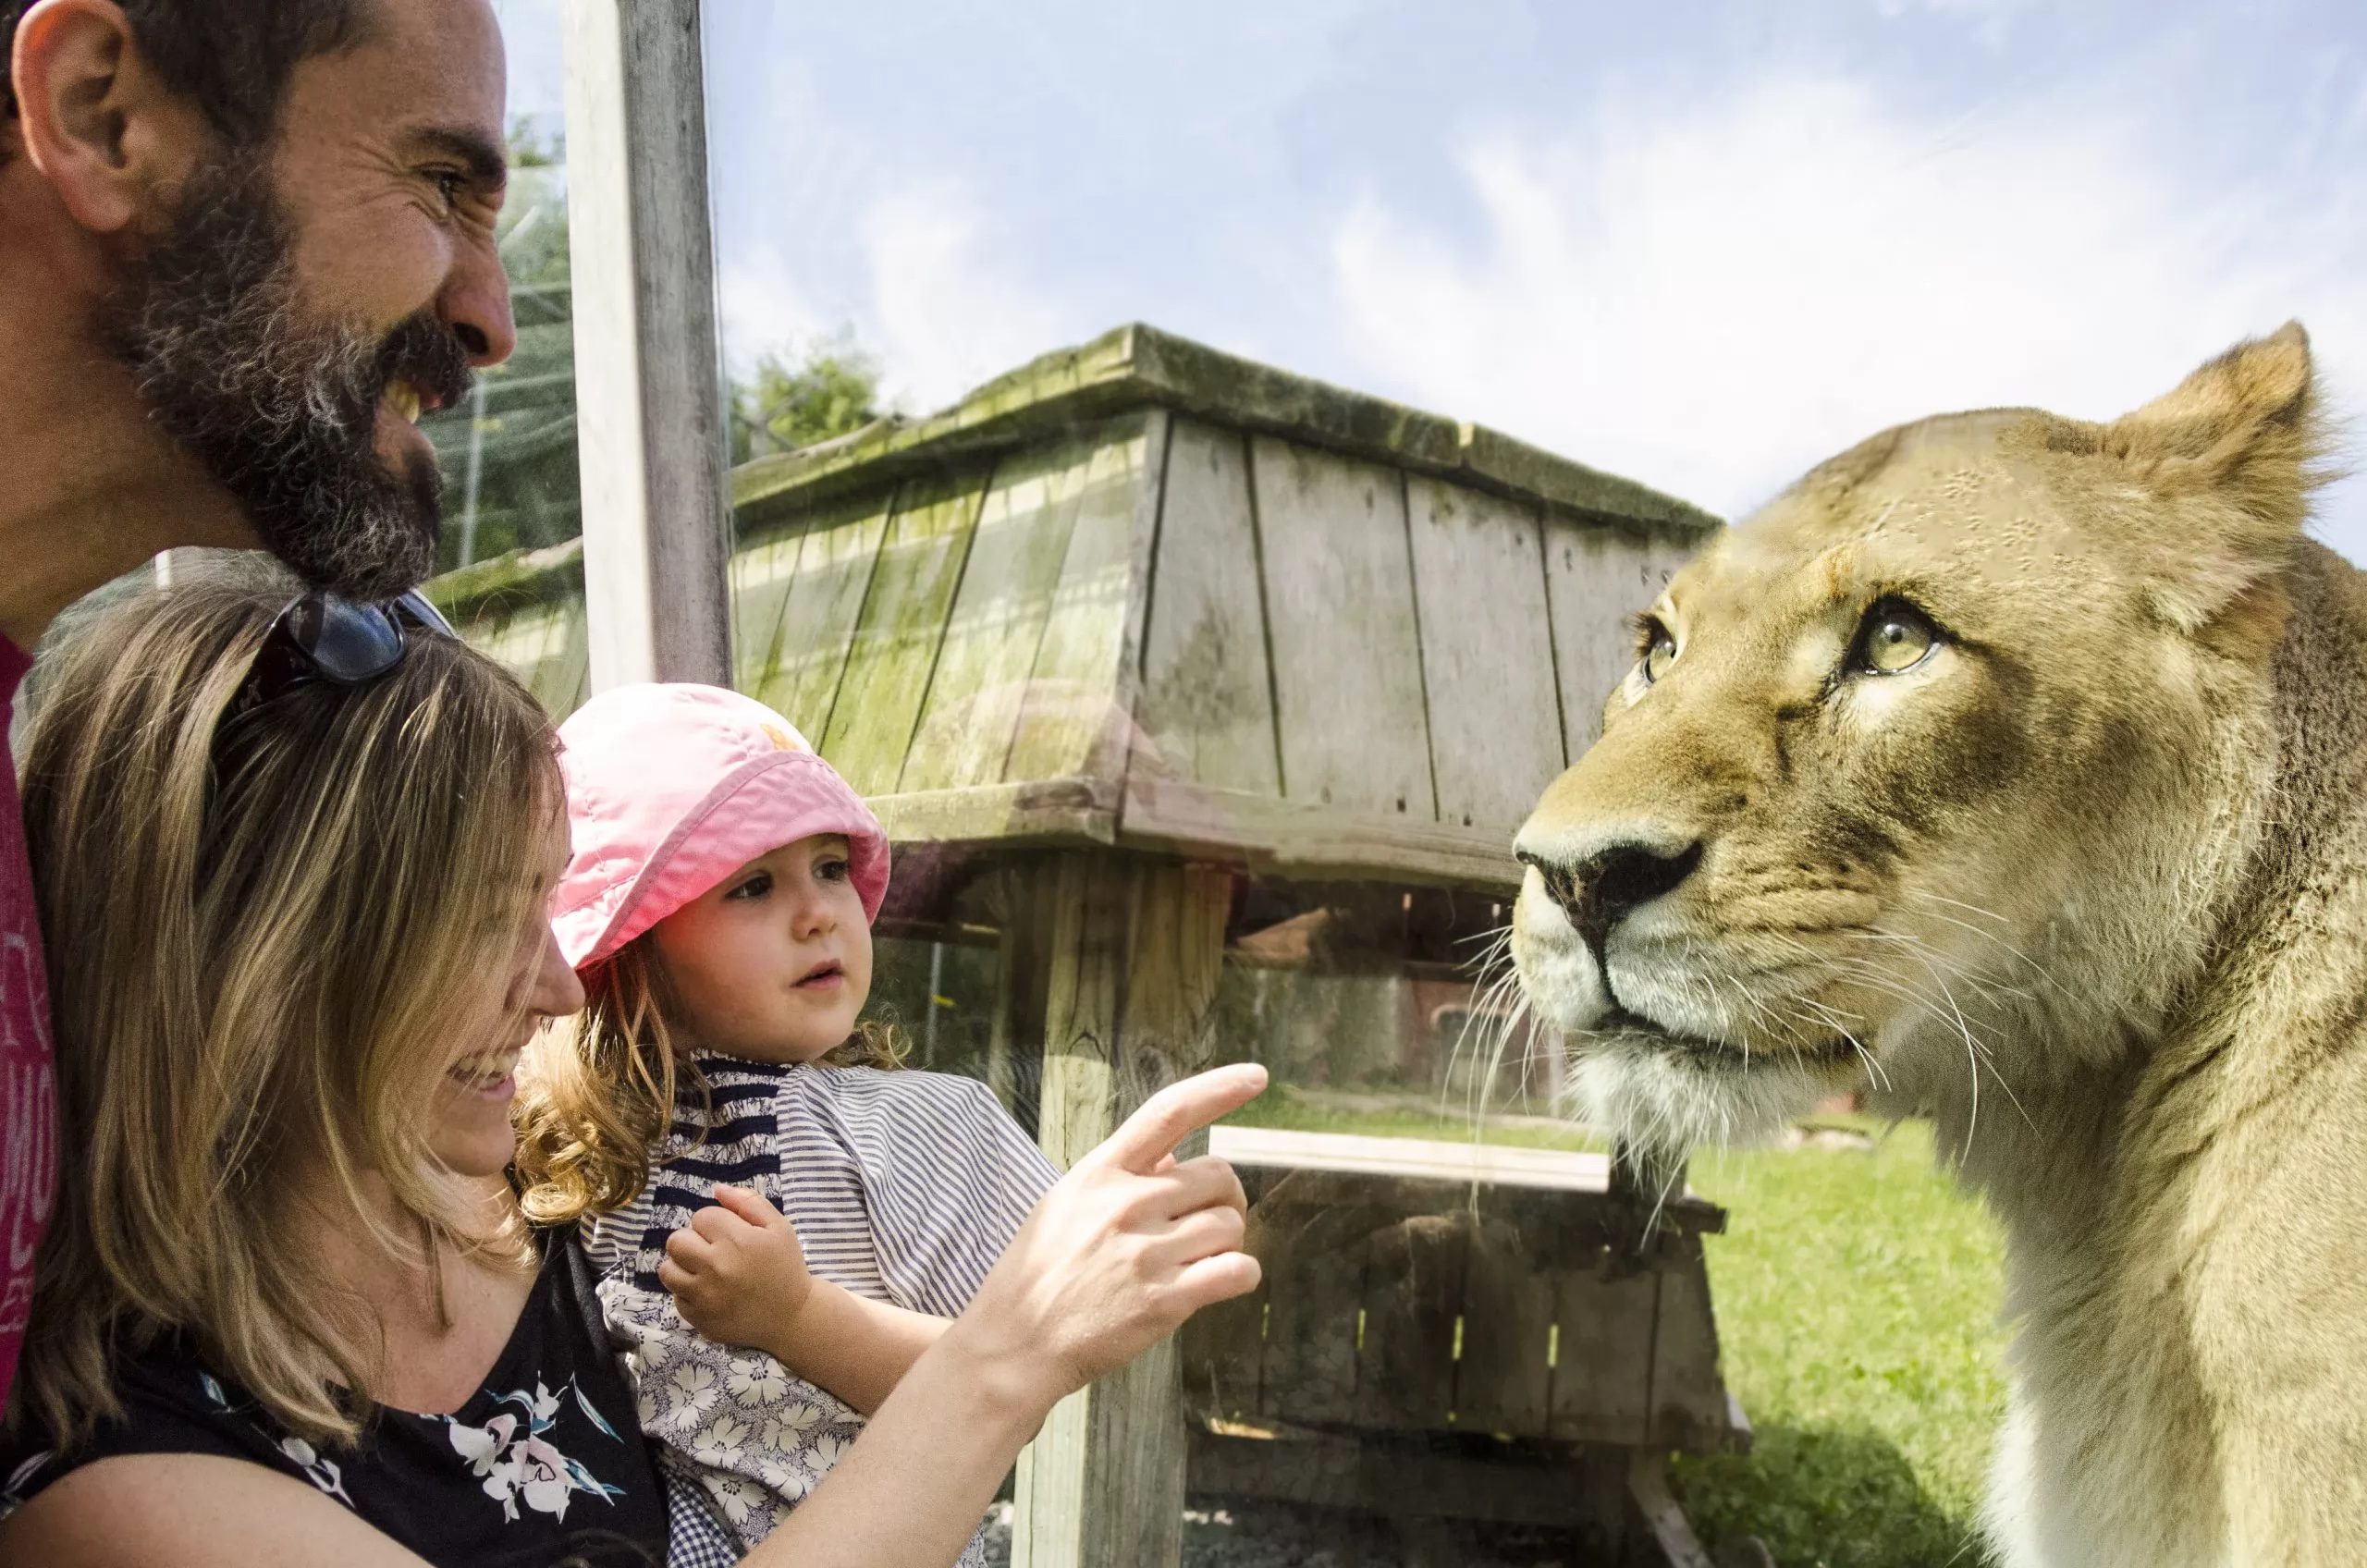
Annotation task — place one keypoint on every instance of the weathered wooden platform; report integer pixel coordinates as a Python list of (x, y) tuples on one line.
[(1465, 1330), (1144, 595)]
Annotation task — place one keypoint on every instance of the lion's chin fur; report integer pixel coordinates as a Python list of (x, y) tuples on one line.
[(1667, 1102)]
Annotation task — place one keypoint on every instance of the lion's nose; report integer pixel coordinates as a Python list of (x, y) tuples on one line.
[(1598, 890)]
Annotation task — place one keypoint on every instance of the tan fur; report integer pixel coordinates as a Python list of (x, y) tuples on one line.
[(2088, 886)]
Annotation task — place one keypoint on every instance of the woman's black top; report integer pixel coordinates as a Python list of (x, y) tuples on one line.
[(543, 1465)]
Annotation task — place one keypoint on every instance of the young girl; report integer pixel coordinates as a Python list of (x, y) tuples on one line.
[(717, 907)]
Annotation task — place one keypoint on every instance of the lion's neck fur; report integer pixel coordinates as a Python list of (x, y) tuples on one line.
[(2127, 1165)]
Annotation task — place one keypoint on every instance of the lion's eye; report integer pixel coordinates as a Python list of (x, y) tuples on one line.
[(1659, 655), (1898, 637)]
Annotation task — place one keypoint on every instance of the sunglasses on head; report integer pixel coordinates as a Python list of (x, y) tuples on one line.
[(322, 637)]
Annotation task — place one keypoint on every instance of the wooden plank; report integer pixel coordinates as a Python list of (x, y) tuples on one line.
[(903, 622), (1672, 1535), (1219, 1349), (1128, 368), (1296, 839), (1602, 1369), (1008, 897), (1070, 811), (1315, 1290), (1330, 1471), (1504, 1384), (1076, 719), (568, 672), (1493, 459), (761, 576), (1596, 581), (1462, 1162), (649, 405), (1567, 1226), (1339, 596), (1689, 1405), (1207, 710), (1410, 1323), (996, 624), (1495, 720), (1131, 959), (837, 555)]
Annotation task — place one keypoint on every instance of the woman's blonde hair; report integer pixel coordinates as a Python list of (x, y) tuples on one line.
[(257, 932), (597, 1092)]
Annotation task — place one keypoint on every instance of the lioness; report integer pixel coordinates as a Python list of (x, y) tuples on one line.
[(2014, 769)]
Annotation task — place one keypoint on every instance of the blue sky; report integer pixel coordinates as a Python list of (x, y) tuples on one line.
[(1705, 244)]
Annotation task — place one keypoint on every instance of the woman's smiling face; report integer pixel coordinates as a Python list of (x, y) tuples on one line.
[(470, 1128), (773, 962)]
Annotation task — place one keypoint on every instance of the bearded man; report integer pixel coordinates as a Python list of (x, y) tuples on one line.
[(244, 244)]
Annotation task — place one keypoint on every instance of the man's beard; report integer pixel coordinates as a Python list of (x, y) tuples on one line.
[(281, 406)]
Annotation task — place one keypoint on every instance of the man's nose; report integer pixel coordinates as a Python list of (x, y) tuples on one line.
[(475, 305)]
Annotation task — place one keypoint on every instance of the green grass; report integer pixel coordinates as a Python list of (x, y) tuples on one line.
[(1856, 1296)]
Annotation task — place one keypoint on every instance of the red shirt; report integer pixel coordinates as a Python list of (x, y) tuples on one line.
[(27, 1076)]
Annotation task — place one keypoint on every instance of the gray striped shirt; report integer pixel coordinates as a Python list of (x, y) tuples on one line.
[(904, 1187)]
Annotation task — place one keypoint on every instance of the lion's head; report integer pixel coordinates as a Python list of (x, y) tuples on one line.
[(1935, 775)]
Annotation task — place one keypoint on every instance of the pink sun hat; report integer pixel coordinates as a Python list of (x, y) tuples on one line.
[(672, 788)]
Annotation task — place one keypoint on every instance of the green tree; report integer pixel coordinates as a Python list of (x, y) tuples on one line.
[(833, 390)]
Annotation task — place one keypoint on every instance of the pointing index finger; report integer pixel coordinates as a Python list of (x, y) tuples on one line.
[(1176, 1113)]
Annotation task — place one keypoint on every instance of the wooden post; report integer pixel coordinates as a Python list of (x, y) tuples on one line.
[(1131, 953), (649, 396)]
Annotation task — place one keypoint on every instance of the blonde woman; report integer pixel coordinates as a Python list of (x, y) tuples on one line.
[(294, 859)]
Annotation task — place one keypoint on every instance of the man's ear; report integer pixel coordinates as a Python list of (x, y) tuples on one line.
[(100, 125)]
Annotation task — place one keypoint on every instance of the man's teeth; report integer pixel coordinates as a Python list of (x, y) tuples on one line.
[(403, 398)]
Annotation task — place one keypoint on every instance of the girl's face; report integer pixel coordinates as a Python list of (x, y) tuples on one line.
[(773, 962), (470, 1130)]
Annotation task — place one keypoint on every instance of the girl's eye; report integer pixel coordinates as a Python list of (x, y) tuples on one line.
[(757, 886), (833, 870)]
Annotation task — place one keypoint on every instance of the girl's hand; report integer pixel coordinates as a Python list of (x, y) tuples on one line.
[(737, 1271), (1115, 1257)]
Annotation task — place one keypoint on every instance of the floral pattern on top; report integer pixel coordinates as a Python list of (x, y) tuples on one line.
[(518, 1462), (517, 1479)]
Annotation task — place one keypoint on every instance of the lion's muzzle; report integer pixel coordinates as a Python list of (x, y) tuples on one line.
[(1601, 887)]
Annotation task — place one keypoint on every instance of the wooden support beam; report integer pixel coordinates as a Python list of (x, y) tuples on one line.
[(1129, 953), (649, 395)]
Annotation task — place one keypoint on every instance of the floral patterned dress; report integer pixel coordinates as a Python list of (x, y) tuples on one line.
[(904, 1187), (543, 1462)]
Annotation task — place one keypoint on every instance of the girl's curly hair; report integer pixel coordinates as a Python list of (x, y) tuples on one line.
[(597, 1092)]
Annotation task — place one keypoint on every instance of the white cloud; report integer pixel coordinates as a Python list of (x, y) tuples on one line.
[(947, 312), (934, 302), (763, 309), (1991, 22), (1712, 292)]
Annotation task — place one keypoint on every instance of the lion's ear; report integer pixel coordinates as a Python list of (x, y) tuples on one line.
[(2231, 457)]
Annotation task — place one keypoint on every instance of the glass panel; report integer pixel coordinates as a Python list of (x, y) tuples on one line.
[(509, 454)]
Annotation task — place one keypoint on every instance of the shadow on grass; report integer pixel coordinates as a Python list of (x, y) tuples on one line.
[(1825, 1498)]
